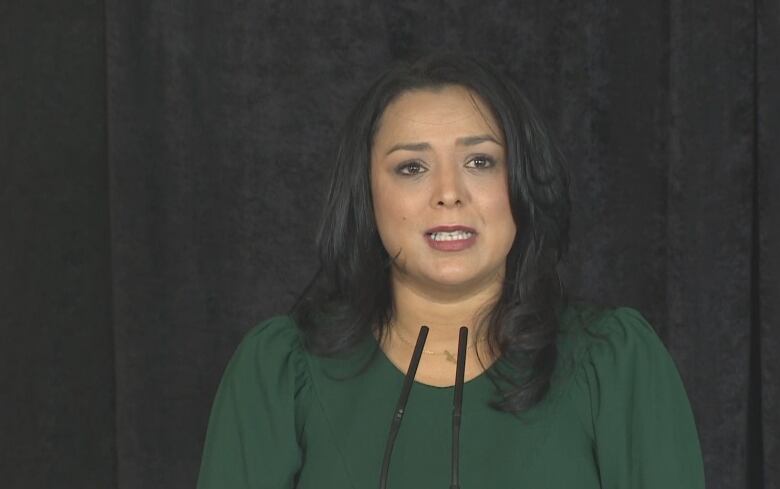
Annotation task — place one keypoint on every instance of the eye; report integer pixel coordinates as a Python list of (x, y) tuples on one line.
[(411, 168), (481, 162)]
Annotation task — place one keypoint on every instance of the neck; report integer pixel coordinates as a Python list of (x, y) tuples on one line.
[(444, 312)]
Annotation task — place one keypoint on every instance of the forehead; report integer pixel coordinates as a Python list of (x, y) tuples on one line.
[(443, 113)]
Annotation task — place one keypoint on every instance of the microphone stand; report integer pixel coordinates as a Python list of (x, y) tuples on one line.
[(401, 406), (457, 404)]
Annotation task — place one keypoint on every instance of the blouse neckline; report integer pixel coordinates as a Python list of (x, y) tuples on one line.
[(387, 364)]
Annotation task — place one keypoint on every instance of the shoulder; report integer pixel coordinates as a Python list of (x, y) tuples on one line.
[(259, 411), (591, 330), (277, 332), (611, 346), (631, 400), (615, 351), (271, 350)]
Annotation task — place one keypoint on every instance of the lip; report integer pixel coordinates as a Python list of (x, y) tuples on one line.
[(449, 229), (453, 245)]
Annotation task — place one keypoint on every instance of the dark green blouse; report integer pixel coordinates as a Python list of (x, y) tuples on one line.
[(617, 416)]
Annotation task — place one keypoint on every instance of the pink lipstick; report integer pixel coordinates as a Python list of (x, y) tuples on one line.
[(451, 238)]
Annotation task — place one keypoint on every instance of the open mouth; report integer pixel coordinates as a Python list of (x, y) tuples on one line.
[(451, 238), (451, 235)]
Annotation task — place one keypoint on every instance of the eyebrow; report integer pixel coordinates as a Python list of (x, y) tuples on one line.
[(464, 141)]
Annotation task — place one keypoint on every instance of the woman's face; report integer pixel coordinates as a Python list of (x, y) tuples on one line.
[(439, 187)]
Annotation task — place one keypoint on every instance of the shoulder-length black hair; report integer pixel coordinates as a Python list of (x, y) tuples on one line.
[(350, 296)]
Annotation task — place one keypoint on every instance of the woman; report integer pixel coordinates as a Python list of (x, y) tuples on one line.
[(448, 207)]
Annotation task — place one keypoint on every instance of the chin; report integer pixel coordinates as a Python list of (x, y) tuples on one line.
[(453, 279)]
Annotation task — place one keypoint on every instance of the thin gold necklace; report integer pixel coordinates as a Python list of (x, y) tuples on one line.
[(447, 354)]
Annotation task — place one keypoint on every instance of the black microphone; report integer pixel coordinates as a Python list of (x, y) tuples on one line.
[(401, 406), (457, 406)]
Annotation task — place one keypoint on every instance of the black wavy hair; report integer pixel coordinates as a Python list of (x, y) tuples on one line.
[(351, 293)]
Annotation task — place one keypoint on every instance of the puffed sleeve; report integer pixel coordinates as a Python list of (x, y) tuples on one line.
[(644, 429), (254, 429)]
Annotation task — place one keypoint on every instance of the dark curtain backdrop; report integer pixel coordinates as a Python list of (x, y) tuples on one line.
[(163, 165)]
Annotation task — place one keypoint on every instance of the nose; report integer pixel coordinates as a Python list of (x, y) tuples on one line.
[(449, 188)]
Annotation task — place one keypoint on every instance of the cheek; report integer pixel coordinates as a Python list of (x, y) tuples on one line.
[(390, 212), (379, 199), (495, 202), (391, 205), (384, 208), (499, 214)]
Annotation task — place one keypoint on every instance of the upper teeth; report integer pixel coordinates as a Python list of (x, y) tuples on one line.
[(451, 236)]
